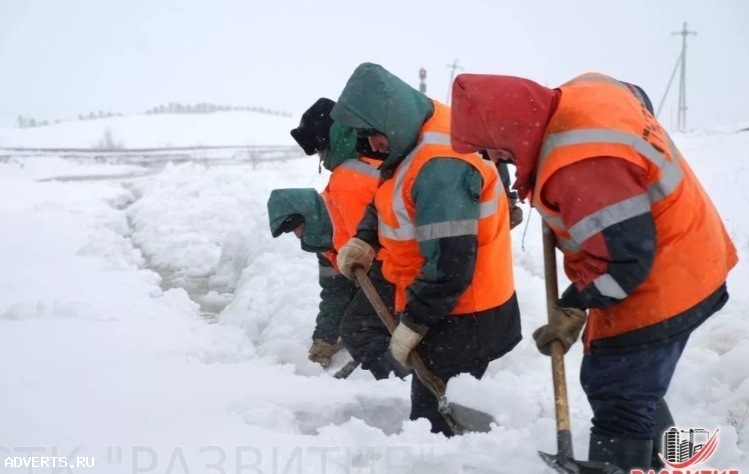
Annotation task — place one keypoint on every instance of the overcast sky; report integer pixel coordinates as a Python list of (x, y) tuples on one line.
[(60, 58)]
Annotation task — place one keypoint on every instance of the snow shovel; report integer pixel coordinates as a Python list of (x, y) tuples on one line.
[(346, 370), (563, 461), (459, 418)]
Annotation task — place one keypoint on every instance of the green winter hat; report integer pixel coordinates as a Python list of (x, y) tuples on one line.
[(374, 98), (307, 203), (342, 141)]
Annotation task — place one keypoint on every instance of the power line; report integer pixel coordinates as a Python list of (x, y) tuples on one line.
[(452, 67), (668, 87), (681, 61), (681, 119)]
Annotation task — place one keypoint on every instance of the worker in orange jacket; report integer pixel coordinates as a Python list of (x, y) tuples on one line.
[(443, 218), (353, 181), (632, 221)]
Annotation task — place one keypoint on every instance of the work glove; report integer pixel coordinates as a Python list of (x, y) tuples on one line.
[(564, 325), (355, 253), (516, 213), (322, 352), (404, 339)]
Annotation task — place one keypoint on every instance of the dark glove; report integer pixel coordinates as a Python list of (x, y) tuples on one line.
[(516, 213), (322, 352), (564, 325)]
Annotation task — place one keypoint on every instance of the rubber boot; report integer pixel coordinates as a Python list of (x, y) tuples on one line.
[(626, 454), (663, 421)]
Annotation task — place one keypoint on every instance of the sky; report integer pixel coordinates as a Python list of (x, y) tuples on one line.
[(60, 59), (149, 323)]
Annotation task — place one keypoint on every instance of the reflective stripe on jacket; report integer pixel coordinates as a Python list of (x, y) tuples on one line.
[(398, 234), (599, 116)]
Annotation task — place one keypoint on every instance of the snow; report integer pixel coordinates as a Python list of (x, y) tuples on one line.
[(150, 322), (235, 128)]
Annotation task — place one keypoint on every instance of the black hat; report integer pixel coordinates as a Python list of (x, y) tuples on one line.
[(312, 132)]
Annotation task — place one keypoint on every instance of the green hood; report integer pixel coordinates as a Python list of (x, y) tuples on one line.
[(318, 229), (374, 98), (342, 146)]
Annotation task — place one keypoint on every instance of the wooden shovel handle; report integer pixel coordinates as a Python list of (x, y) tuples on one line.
[(435, 384), (557, 350)]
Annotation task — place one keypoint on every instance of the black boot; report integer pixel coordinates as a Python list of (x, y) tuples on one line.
[(624, 453), (663, 421)]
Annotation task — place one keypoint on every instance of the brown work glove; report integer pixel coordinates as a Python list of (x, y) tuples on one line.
[(322, 352), (564, 325), (516, 213), (355, 253)]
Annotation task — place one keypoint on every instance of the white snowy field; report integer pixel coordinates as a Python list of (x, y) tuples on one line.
[(234, 128), (103, 358)]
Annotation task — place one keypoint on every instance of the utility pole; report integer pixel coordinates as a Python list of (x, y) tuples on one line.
[(682, 116), (452, 67)]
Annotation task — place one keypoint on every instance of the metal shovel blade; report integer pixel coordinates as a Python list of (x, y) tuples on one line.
[(463, 419), (460, 419), (567, 465)]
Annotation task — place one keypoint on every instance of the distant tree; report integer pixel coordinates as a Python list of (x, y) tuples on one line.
[(108, 142)]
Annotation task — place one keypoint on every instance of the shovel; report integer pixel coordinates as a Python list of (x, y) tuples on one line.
[(459, 418), (563, 461), (346, 370)]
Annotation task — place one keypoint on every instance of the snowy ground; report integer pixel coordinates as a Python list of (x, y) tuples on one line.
[(110, 351), (235, 128)]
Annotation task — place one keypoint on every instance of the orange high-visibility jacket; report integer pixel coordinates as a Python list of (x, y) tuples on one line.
[(492, 283), (329, 254), (598, 116), (351, 188)]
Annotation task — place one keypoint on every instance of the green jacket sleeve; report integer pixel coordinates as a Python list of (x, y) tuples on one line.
[(336, 292), (366, 230), (446, 196)]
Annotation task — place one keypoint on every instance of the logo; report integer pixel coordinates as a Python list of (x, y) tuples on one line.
[(685, 449)]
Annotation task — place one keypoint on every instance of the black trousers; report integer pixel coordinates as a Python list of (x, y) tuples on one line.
[(363, 333), (625, 390)]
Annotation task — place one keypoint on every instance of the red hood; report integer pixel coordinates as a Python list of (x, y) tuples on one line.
[(502, 112)]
